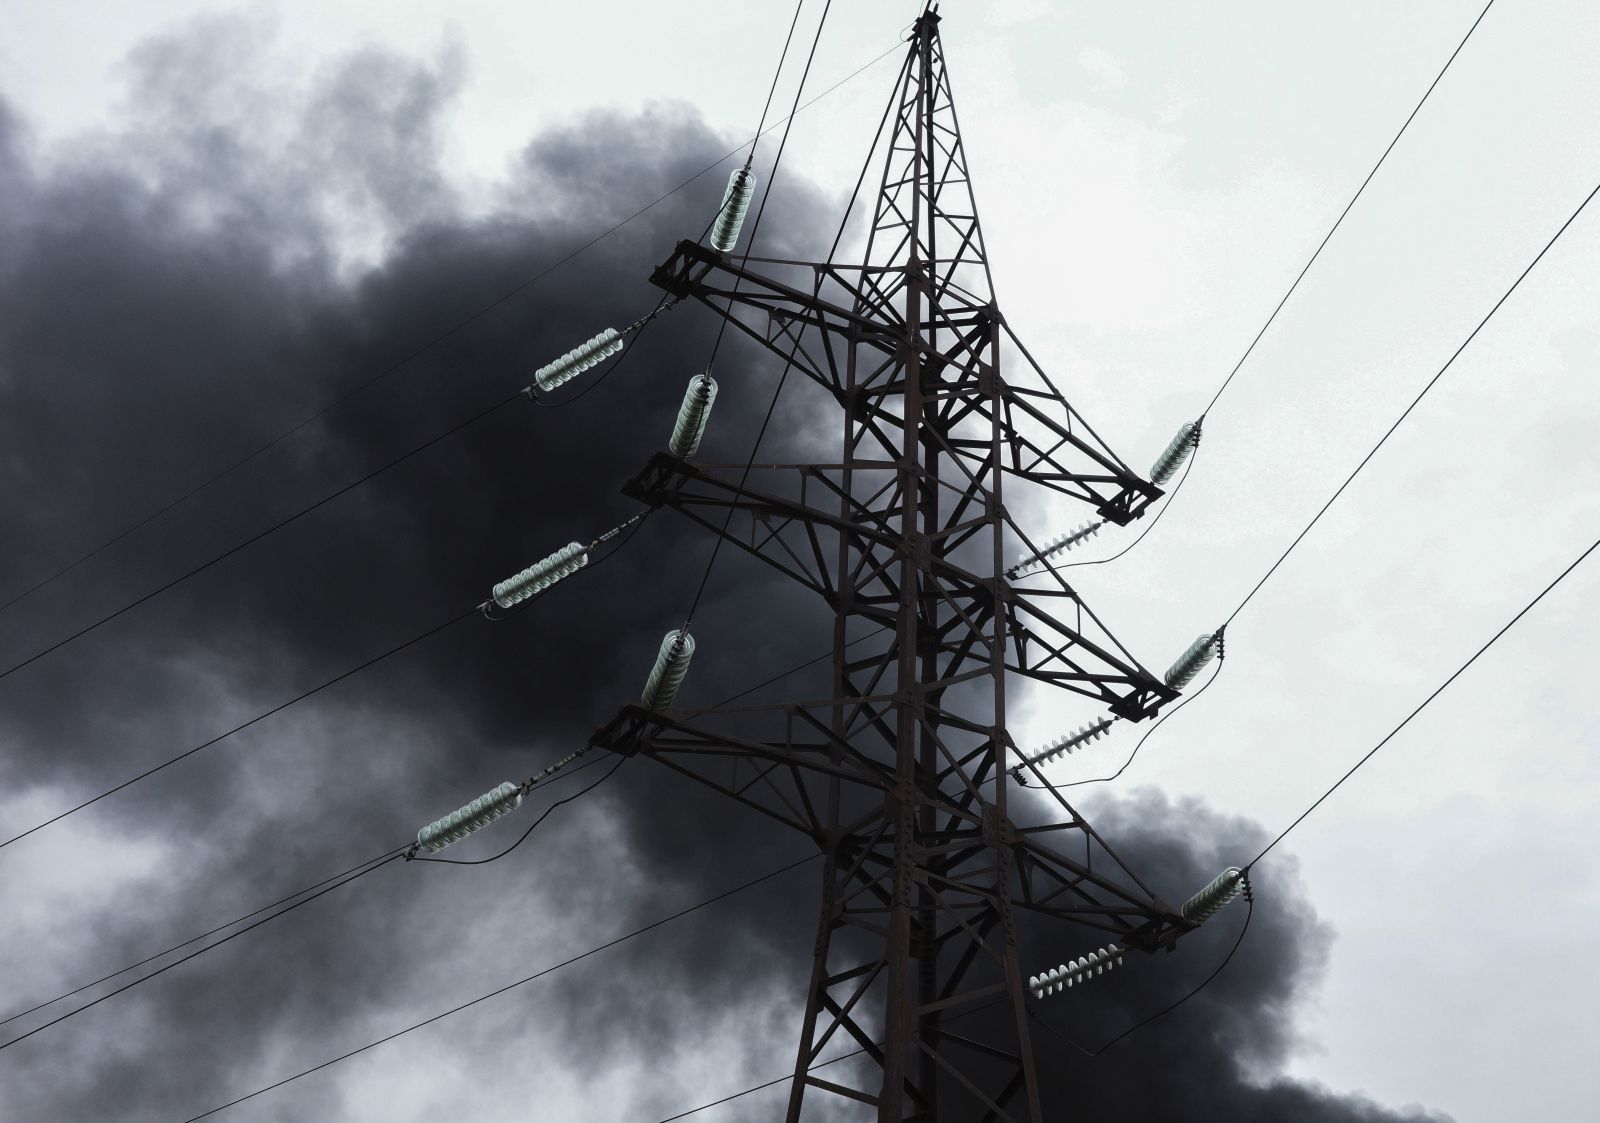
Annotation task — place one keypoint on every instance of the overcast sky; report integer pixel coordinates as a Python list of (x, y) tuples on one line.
[(215, 219)]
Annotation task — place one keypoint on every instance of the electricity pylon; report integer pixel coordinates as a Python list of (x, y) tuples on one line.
[(900, 776)]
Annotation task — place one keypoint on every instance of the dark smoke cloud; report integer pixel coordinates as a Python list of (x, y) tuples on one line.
[(179, 292)]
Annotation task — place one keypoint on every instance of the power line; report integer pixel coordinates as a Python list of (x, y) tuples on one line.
[(1337, 222), (716, 346), (580, 793), (430, 344), (509, 986), (1165, 507), (301, 697), (1341, 488), (243, 725), (554, 778), (773, 88), (1407, 411), (408, 852), (391, 856), (1295, 284), (1250, 902), (788, 365), (194, 939), (392, 463), (279, 525), (1145, 737), (1424, 703)]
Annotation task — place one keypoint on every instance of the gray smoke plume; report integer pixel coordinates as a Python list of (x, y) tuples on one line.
[(178, 293)]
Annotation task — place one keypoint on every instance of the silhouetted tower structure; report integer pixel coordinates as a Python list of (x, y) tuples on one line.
[(900, 776)]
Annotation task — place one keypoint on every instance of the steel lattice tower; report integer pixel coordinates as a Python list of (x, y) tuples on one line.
[(900, 776)]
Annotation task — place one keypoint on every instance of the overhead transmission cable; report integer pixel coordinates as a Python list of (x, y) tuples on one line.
[(788, 365), (526, 979), (1250, 911), (1215, 645), (1236, 879), (321, 888), (393, 855), (625, 349), (195, 939), (1329, 235), (521, 595), (1414, 402), (239, 919), (1295, 284), (554, 773), (1473, 658), (430, 344)]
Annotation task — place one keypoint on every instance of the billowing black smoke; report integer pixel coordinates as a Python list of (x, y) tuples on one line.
[(177, 294)]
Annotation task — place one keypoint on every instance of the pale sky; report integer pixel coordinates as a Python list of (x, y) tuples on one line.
[(1151, 176)]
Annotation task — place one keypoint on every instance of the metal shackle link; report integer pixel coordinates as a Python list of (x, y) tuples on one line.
[(1214, 897), (579, 359), (550, 770), (1172, 458), (1079, 970), (1193, 660), (672, 663), (735, 202), (541, 574), (1060, 544), (474, 816), (698, 398)]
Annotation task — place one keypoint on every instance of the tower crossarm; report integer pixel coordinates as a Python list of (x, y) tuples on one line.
[(800, 539), (812, 319)]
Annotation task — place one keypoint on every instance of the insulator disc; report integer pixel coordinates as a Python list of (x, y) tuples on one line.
[(1214, 897), (672, 663), (693, 414), (541, 575), (474, 816), (579, 359), (1172, 458), (735, 202), (1191, 662)]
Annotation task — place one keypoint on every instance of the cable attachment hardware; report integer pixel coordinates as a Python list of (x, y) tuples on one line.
[(1060, 544), (540, 777), (1170, 460), (666, 305), (698, 398), (1079, 970), (473, 817), (618, 529), (1066, 743), (541, 575), (1193, 660), (1216, 896), (735, 203), (581, 358), (672, 663)]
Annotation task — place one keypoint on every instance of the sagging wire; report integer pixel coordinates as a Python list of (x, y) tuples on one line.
[(393, 855), (1248, 893), (1031, 764), (412, 854), (520, 982)]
